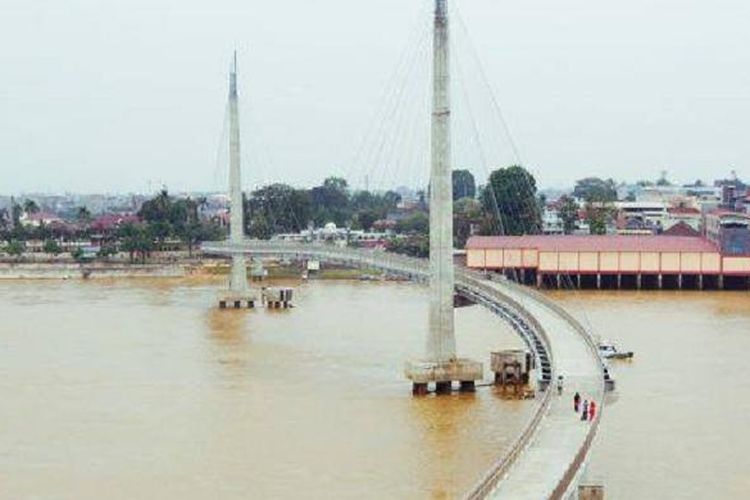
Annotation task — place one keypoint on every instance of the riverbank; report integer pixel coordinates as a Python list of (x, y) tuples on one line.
[(175, 269)]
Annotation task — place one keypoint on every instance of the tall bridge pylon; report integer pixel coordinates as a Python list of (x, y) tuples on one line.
[(441, 365), (240, 294)]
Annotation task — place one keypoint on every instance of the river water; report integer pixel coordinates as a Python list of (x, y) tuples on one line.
[(142, 389), (679, 424)]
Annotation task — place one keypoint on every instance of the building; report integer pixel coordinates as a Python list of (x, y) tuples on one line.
[(682, 214), (654, 261), (730, 231)]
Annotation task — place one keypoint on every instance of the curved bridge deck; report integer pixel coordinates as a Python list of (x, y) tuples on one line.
[(549, 455)]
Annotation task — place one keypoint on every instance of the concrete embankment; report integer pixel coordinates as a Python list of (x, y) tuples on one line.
[(19, 271)]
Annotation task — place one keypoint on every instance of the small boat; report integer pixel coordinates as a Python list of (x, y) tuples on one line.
[(609, 351)]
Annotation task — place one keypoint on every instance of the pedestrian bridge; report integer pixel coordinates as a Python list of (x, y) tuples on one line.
[(548, 458)]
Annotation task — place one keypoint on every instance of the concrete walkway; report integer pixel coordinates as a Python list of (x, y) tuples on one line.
[(561, 435)]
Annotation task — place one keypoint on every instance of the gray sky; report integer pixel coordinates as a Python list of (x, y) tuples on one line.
[(105, 95)]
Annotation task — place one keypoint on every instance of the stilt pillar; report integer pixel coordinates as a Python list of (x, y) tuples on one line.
[(619, 281), (579, 281), (639, 281), (700, 282), (679, 281), (598, 281), (443, 387), (721, 282), (419, 389), (539, 279), (468, 386), (660, 279), (523, 276), (558, 278)]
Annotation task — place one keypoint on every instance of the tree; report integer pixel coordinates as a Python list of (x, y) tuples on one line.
[(83, 215), (598, 215), (278, 208), (52, 247), (569, 214), (464, 185), (510, 203), (30, 207), (16, 248), (594, 189), (77, 254), (331, 202), (467, 214), (417, 223), (663, 181), (137, 240)]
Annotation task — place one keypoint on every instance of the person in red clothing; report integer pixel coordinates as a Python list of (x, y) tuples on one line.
[(592, 410)]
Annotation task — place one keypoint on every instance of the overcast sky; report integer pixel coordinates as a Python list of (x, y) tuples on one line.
[(104, 95)]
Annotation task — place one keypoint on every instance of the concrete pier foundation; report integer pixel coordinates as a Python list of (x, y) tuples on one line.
[(238, 301), (422, 373)]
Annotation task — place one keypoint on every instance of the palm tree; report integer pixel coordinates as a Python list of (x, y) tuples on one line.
[(83, 215), (30, 207)]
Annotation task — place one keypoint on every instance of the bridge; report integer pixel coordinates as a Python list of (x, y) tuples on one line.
[(548, 457)]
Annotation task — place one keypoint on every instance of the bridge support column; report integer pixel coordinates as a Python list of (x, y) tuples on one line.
[(619, 281), (679, 281), (639, 281), (598, 281), (700, 282), (721, 282), (441, 366), (660, 279), (579, 281), (558, 278)]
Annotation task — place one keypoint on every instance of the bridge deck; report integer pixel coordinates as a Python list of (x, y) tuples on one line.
[(555, 446), (559, 439)]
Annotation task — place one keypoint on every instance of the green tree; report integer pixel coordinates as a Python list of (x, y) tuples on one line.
[(16, 248), (467, 214), (52, 247), (277, 208), (510, 203), (594, 189), (30, 207), (331, 202), (77, 254), (83, 215), (598, 215), (464, 185), (568, 214), (415, 224), (137, 240)]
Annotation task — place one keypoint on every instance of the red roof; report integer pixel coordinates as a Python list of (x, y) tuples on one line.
[(605, 243), (681, 229), (684, 210)]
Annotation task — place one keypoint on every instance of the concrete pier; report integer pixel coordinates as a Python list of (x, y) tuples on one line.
[(442, 374)]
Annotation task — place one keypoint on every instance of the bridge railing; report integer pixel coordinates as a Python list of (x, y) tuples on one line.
[(573, 469), (489, 481)]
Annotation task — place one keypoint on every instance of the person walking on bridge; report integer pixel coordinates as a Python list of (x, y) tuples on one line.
[(592, 410), (576, 402), (559, 385), (585, 411)]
